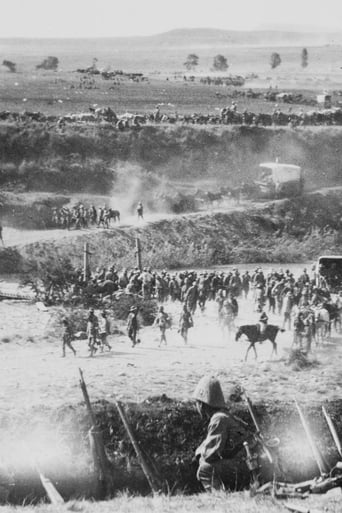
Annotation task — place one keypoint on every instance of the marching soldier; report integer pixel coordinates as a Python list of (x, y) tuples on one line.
[(92, 331), (185, 322), (133, 326), (163, 322), (140, 211), (67, 337), (104, 330)]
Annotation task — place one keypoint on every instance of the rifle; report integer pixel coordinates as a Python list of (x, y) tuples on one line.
[(258, 435), (253, 467), (333, 431), (151, 474), (315, 452), (50, 489), (299, 509), (101, 463)]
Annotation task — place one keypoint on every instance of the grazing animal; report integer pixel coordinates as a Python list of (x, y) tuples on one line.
[(252, 333)]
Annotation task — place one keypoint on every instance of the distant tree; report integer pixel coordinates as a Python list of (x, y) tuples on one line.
[(191, 61), (220, 63), (11, 66), (50, 63), (304, 58), (275, 60)]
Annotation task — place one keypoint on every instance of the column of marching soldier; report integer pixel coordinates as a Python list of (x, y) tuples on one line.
[(298, 301)]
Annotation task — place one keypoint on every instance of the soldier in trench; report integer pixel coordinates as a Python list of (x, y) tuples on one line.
[(217, 468)]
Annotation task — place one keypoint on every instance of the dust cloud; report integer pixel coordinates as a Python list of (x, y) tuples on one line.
[(133, 183)]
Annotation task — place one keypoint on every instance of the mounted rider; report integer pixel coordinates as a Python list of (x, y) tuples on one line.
[(262, 324)]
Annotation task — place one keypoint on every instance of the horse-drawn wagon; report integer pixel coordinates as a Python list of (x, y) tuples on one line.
[(278, 180), (328, 273)]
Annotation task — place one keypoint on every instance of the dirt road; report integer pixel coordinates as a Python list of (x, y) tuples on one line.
[(16, 237), (33, 373)]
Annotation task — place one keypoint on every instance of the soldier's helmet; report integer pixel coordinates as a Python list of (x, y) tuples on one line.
[(209, 391)]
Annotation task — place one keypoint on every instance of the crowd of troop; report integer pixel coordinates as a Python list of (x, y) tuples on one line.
[(79, 216), (304, 307), (229, 115)]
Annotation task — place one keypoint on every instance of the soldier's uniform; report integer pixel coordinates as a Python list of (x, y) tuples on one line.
[(104, 330), (67, 337), (140, 210), (163, 322), (92, 331), (132, 325), (185, 322), (217, 468)]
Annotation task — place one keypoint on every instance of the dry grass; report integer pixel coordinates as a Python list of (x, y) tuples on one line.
[(218, 502)]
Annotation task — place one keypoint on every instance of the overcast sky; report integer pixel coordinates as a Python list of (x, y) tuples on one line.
[(110, 18)]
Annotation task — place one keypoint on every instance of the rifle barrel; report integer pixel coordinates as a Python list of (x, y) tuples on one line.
[(315, 452), (51, 491), (86, 398), (258, 432), (333, 431), (153, 480)]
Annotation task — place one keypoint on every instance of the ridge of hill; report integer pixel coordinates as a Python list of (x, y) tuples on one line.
[(188, 37), (217, 37)]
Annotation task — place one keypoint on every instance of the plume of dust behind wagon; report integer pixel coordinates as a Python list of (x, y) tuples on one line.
[(133, 183)]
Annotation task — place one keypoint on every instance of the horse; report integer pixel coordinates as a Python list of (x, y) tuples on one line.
[(335, 315), (322, 324), (112, 214), (252, 333)]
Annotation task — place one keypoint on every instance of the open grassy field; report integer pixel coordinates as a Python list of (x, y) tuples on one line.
[(59, 92)]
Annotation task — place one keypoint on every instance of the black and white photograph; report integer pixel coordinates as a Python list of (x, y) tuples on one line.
[(171, 256)]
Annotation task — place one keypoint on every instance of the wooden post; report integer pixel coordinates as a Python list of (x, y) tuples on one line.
[(138, 253), (86, 262)]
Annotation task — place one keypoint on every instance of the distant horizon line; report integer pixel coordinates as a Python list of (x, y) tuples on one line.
[(278, 30)]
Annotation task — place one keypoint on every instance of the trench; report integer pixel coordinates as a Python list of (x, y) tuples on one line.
[(168, 431)]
